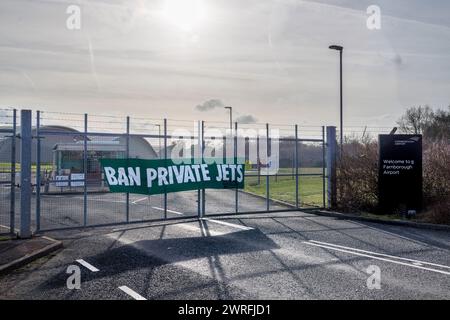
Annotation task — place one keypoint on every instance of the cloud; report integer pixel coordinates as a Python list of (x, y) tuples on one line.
[(246, 119), (210, 105), (257, 57)]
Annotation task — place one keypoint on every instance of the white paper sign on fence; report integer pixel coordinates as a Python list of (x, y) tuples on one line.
[(77, 176), (62, 181)]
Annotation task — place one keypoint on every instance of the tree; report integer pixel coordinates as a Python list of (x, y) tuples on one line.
[(416, 120), (439, 128)]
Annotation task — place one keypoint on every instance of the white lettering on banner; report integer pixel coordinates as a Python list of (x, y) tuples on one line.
[(233, 171), (170, 169), (122, 178), (179, 173), (163, 176), (196, 168), (240, 175), (151, 176), (134, 176), (224, 172), (189, 175), (205, 172), (110, 176)]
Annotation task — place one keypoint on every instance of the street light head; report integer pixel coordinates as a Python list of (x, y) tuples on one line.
[(227, 107), (336, 47)]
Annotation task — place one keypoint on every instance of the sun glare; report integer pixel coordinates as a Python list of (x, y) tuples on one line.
[(185, 14)]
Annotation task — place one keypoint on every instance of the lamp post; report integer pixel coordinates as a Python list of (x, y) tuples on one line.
[(231, 116), (159, 138), (340, 49)]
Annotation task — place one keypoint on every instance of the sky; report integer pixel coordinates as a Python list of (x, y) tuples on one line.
[(187, 59)]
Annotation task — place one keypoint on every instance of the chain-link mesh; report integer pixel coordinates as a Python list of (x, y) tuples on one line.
[(73, 191), (8, 170)]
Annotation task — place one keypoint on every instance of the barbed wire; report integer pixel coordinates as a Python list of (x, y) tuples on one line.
[(78, 122)]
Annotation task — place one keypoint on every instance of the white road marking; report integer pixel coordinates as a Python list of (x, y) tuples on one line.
[(87, 265), (200, 228), (374, 257), (131, 293), (238, 226), (397, 235), (139, 200), (176, 212), (414, 261)]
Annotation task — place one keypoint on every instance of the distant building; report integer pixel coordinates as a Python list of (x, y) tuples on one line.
[(63, 149)]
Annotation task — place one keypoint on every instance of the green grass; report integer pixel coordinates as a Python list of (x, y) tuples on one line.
[(283, 188), (5, 167), (306, 170)]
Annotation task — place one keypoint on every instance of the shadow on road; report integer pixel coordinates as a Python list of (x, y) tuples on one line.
[(151, 254)]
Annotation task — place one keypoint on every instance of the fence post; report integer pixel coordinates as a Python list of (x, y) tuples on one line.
[(296, 167), (202, 157), (258, 166), (38, 171), (236, 200), (331, 167), (12, 222), (85, 170), (324, 178), (267, 169), (25, 173), (127, 152), (197, 156), (165, 161)]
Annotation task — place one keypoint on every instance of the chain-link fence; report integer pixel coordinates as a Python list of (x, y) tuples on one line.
[(285, 168), (8, 169)]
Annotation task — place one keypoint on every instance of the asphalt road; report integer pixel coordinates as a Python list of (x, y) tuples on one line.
[(291, 255), (66, 210)]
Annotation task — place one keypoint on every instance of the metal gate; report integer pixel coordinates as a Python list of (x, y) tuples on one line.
[(8, 126), (70, 190)]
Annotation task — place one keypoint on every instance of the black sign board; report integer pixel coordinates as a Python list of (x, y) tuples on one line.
[(400, 172)]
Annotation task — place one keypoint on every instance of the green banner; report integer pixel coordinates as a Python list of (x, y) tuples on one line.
[(164, 176)]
